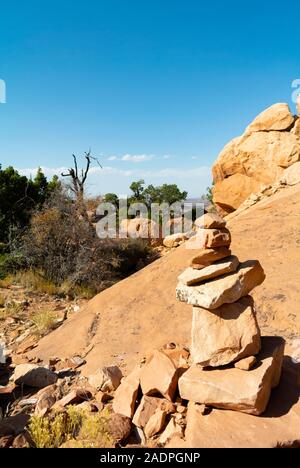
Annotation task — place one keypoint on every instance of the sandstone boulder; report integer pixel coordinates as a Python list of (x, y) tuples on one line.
[(174, 240), (246, 363), (291, 175), (234, 389), (33, 375), (119, 427), (296, 129), (230, 193), (106, 379), (155, 423), (191, 276), (224, 290), (173, 429), (277, 117), (46, 398), (224, 335), (44, 404), (208, 256), (255, 159), (279, 426), (159, 376), (126, 394), (77, 395), (13, 425), (210, 239), (210, 221), (178, 354), (148, 406)]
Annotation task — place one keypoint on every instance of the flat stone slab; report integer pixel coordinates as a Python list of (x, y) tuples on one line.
[(191, 276), (225, 289), (235, 389), (224, 335), (159, 376), (124, 401), (206, 257), (279, 426)]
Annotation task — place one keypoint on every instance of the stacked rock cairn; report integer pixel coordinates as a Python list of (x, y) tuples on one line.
[(228, 366), (232, 366)]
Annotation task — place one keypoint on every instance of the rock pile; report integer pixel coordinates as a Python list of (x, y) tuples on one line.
[(229, 366), (225, 334)]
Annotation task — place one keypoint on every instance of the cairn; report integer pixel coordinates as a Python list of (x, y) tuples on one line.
[(228, 366), (225, 334)]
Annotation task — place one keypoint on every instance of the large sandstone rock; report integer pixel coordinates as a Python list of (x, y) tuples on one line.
[(147, 408), (126, 394), (296, 129), (106, 379), (77, 395), (174, 240), (234, 389), (279, 426), (119, 427), (224, 290), (33, 375), (14, 425), (159, 376), (210, 239), (230, 193), (224, 335), (173, 429), (291, 175), (155, 423), (257, 158), (45, 402), (210, 221), (277, 117), (191, 276)]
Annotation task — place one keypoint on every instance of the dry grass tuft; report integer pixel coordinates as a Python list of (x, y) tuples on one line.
[(84, 429)]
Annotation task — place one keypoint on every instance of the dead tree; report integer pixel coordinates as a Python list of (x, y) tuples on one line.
[(78, 180)]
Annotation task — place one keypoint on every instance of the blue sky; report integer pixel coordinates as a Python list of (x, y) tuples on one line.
[(155, 88)]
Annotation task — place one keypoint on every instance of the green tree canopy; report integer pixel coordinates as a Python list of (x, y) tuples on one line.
[(166, 193), (138, 189), (18, 197), (111, 198)]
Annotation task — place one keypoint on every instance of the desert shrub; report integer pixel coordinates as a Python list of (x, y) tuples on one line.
[(44, 322), (12, 309), (10, 263), (77, 291), (62, 245), (93, 432), (35, 281), (48, 432), (87, 430), (132, 255)]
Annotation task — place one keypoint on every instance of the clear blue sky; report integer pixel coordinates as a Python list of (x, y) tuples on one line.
[(165, 82)]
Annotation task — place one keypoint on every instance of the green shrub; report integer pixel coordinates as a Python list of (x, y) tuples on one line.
[(62, 245)]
